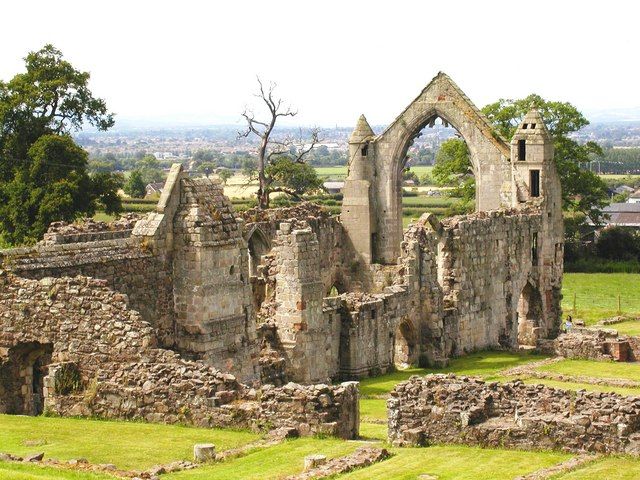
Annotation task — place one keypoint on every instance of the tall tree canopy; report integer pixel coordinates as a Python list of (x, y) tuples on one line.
[(43, 172), (582, 191)]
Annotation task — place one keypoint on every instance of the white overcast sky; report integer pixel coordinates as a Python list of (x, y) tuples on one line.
[(195, 62)]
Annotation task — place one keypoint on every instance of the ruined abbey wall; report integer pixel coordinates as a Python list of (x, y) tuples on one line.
[(102, 360), (450, 409), (126, 264), (463, 284), (486, 261)]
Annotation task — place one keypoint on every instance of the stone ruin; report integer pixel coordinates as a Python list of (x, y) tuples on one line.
[(195, 312), (449, 409)]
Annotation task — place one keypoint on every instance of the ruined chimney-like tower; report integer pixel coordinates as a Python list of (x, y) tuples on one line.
[(357, 212), (535, 182)]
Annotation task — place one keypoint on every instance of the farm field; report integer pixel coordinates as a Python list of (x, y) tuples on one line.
[(596, 295)]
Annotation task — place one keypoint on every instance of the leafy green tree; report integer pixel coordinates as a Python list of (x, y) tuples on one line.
[(225, 174), (135, 186), (56, 186), (407, 174), (150, 169), (105, 188), (206, 167), (618, 244), (292, 178), (101, 166), (43, 172), (51, 97), (426, 180), (453, 169)]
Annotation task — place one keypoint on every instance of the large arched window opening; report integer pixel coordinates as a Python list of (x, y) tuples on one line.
[(436, 173)]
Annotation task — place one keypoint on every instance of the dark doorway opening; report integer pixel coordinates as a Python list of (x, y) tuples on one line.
[(22, 375), (529, 316)]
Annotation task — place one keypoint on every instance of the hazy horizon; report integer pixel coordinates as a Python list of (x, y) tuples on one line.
[(195, 64)]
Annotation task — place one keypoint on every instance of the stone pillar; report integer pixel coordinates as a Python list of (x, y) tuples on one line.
[(299, 291)]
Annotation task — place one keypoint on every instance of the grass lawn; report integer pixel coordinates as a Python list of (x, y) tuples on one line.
[(484, 364), (270, 463), (373, 431), (26, 471), (128, 445), (630, 327), (457, 462), (583, 386), (103, 217), (611, 468), (420, 170), (591, 368), (597, 294), (373, 409)]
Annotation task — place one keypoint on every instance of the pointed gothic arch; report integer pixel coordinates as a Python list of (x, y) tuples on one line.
[(373, 194), (258, 245)]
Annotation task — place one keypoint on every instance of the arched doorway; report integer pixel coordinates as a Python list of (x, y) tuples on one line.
[(405, 345), (529, 316), (258, 246), (22, 377)]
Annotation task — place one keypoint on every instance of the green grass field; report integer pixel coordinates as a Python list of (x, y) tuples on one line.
[(137, 445), (629, 327), (484, 364), (596, 294), (457, 462), (336, 173), (590, 368), (22, 471), (612, 468), (270, 463), (127, 445)]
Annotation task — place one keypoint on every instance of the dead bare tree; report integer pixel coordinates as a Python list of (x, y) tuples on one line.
[(271, 149)]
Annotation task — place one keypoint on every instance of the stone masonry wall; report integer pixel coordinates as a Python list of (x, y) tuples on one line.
[(592, 344), (485, 262), (89, 230), (303, 333), (336, 259), (450, 409), (128, 266), (102, 360)]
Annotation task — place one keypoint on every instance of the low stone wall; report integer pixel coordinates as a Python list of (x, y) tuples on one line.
[(89, 230), (592, 344), (450, 409), (71, 346), (329, 409)]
